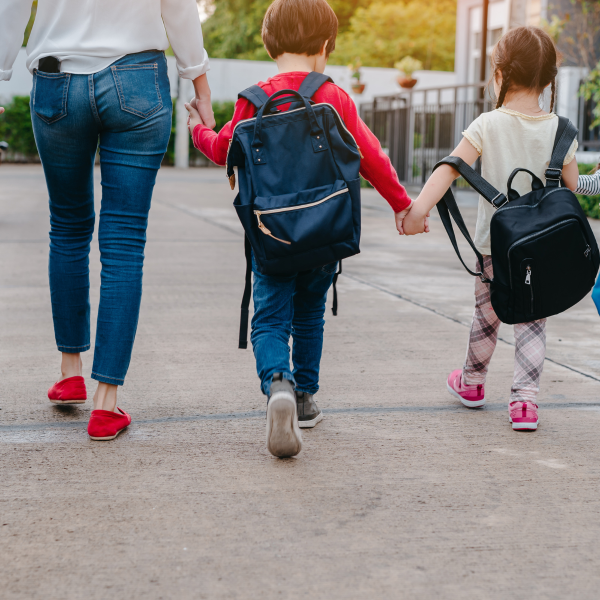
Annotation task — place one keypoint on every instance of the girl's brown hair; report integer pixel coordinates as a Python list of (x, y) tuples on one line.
[(527, 58)]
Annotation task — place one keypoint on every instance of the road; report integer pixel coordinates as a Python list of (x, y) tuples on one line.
[(399, 493)]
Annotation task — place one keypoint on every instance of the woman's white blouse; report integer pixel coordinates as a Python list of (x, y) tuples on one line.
[(89, 35)]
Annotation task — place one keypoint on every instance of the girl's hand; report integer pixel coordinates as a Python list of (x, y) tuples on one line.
[(194, 118), (416, 223)]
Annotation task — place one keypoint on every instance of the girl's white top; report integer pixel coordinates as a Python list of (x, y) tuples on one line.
[(506, 140), (89, 35)]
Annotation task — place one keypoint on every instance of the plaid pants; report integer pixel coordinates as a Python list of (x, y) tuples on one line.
[(530, 345)]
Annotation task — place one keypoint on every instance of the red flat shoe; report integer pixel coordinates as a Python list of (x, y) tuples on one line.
[(68, 391), (107, 425)]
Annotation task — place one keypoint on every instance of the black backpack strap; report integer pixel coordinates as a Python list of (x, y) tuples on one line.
[(447, 206), (254, 94), (335, 294), (475, 180), (565, 134), (245, 312), (312, 82)]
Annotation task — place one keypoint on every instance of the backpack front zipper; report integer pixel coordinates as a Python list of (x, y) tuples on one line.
[(273, 211), (528, 282)]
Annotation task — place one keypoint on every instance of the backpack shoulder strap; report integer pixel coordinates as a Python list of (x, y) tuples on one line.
[(245, 308), (255, 95), (312, 82), (475, 180), (565, 134), (447, 207)]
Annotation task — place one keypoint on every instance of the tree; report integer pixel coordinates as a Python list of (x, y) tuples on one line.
[(30, 24), (386, 31), (575, 24), (381, 32)]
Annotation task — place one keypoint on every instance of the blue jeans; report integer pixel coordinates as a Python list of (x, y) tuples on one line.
[(291, 305), (124, 109)]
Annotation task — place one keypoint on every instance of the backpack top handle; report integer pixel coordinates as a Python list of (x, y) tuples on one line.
[(536, 184), (318, 137)]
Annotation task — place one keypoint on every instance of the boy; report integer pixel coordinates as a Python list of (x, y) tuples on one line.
[(299, 35)]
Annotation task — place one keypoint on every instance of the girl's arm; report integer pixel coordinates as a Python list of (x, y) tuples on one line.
[(589, 185), (436, 186), (570, 175)]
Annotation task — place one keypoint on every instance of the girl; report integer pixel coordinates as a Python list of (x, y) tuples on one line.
[(517, 134)]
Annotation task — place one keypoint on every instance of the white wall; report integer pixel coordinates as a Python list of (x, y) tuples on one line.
[(227, 77)]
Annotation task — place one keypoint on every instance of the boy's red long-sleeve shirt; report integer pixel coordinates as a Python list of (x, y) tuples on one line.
[(375, 166)]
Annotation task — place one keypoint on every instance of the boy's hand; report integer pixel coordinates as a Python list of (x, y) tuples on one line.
[(194, 118), (415, 223), (400, 216)]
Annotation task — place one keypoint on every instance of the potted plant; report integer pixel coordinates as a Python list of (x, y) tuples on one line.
[(358, 87), (407, 66)]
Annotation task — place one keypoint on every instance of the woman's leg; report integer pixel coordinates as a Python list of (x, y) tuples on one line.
[(135, 114), (308, 324), (484, 331), (66, 134)]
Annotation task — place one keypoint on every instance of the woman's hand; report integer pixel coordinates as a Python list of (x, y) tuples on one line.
[(203, 103)]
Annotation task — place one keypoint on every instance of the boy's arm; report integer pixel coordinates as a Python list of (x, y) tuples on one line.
[(441, 179), (212, 144), (375, 165)]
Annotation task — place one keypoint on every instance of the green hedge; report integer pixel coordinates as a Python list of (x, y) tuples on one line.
[(589, 203), (16, 129)]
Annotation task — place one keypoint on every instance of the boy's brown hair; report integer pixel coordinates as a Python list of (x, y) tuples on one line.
[(299, 27), (528, 59)]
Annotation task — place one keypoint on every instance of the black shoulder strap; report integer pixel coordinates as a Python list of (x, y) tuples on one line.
[(475, 180), (254, 94), (447, 206), (312, 82), (245, 313), (565, 134), (334, 307)]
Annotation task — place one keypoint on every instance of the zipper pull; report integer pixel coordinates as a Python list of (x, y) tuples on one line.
[(528, 276), (267, 231), (587, 252)]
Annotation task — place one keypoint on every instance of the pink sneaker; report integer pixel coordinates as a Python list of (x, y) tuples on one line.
[(470, 395), (523, 415)]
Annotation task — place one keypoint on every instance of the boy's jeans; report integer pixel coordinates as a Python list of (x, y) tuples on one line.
[(124, 109), (291, 305)]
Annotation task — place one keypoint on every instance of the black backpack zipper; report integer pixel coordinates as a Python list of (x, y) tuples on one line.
[(534, 235)]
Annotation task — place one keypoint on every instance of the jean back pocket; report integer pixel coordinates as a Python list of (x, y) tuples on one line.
[(137, 86), (50, 93)]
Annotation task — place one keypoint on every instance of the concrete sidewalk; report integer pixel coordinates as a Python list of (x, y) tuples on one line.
[(399, 492)]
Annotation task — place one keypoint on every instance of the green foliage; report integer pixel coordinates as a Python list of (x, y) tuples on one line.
[(408, 65), (381, 32), (588, 203), (387, 30), (233, 31), (590, 89), (16, 129)]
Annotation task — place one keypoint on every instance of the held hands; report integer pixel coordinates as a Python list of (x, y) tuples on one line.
[(409, 222), (194, 117)]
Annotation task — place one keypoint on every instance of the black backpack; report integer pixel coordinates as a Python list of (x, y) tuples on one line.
[(544, 253)]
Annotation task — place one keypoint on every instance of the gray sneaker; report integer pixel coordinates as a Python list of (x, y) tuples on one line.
[(283, 435), (309, 414)]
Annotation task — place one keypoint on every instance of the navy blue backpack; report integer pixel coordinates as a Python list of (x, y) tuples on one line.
[(299, 185)]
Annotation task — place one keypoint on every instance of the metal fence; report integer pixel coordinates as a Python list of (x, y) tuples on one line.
[(418, 128)]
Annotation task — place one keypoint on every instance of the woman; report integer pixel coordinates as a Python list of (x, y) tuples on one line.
[(100, 80)]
